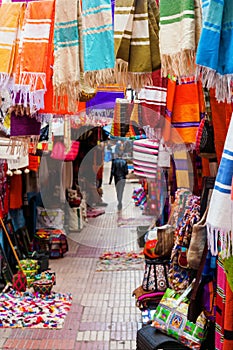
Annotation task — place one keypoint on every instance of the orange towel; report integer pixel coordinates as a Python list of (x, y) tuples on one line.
[(30, 78), (185, 107)]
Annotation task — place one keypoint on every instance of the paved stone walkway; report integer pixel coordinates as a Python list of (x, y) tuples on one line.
[(103, 314)]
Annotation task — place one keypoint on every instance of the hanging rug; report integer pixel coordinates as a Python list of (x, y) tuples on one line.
[(119, 261), (20, 310)]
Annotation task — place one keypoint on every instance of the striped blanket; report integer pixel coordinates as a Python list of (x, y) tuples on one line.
[(153, 100), (30, 77), (219, 219), (185, 108), (145, 158), (136, 41), (215, 48), (10, 15), (66, 75), (98, 42), (180, 24)]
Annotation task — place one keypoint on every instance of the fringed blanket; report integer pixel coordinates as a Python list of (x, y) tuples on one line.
[(153, 100), (30, 78), (10, 15), (66, 53), (215, 49), (98, 42), (219, 219), (180, 23), (31, 310), (185, 108), (136, 41)]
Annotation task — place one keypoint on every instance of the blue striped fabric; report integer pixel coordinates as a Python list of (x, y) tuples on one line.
[(220, 215), (98, 39), (215, 48)]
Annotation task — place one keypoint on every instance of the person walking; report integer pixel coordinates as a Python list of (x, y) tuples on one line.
[(119, 170)]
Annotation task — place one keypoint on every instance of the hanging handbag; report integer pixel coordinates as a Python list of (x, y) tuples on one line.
[(205, 139), (155, 275), (197, 243)]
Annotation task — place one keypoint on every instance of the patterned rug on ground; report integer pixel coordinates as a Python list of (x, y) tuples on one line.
[(134, 222), (118, 261), (19, 310)]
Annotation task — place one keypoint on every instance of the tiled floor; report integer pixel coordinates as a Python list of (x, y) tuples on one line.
[(103, 314)]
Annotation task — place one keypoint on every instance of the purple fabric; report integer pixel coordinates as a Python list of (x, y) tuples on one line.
[(104, 100), (24, 125)]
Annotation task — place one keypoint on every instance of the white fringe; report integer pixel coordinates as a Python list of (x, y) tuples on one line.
[(221, 83), (225, 238)]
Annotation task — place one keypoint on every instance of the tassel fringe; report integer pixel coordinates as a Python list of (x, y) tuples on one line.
[(221, 83), (215, 235), (178, 65)]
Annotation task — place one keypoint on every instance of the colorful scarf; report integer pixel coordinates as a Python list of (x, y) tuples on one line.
[(220, 305), (30, 77), (10, 15), (98, 41), (66, 74), (136, 41), (185, 108), (215, 48), (180, 23), (219, 219), (153, 100)]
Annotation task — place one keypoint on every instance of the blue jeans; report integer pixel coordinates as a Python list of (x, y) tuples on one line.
[(120, 185)]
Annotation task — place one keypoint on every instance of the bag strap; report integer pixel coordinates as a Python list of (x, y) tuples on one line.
[(199, 273)]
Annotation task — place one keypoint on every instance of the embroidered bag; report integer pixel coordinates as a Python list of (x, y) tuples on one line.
[(19, 281)]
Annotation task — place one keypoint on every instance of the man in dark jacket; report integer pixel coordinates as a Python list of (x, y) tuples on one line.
[(119, 170)]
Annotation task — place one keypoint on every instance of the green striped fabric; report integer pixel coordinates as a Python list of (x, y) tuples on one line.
[(136, 30), (178, 28)]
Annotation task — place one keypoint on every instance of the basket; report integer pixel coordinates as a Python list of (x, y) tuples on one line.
[(43, 286)]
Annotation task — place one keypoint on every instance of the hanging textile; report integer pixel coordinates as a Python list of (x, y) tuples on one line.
[(219, 219), (182, 167), (185, 108), (145, 158), (180, 25), (136, 42), (121, 118), (153, 100), (16, 192), (98, 42), (24, 130), (215, 49), (4, 189), (11, 15), (221, 114), (66, 53), (221, 305), (31, 70), (104, 100)]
